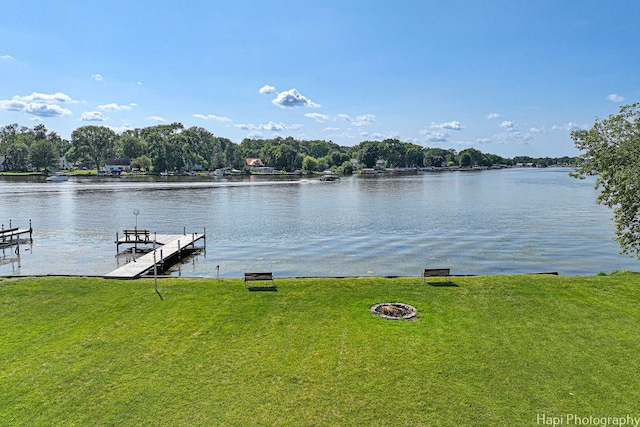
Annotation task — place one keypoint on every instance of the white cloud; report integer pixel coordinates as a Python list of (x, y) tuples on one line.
[(266, 90), (318, 117), (212, 117), (512, 136), (47, 110), (483, 140), (58, 98), (452, 125), (6, 57), (614, 97), (39, 104), (277, 127), (492, 116), (255, 135), (92, 116), (330, 129), (364, 120), (120, 129), (113, 107), (434, 136), (139, 83), (156, 118), (292, 98), (507, 124), (568, 127), (271, 126), (96, 77)]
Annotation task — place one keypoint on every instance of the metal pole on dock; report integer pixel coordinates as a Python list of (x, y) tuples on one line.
[(179, 251), (155, 273)]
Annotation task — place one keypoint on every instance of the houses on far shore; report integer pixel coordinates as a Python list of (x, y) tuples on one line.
[(117, 165), (4, 164)]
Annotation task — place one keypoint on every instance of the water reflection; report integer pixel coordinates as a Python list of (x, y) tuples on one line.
[(508, 221)]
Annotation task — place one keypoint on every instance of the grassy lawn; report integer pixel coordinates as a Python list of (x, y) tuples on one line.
[(491, 351)]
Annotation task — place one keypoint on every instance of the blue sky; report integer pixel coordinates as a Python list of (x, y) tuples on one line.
[(505, 77)]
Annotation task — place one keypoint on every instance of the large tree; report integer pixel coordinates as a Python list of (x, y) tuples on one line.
[(44, 154), (97, 142), (612, 154)]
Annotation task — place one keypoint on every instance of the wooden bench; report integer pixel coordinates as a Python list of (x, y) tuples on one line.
[(436, 272), (252, 277), (136, 235)]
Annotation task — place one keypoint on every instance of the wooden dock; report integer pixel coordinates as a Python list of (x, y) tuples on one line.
[(11, 236), (167, 247)]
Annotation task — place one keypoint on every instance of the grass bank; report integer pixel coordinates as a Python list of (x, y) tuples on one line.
[(490, 351)]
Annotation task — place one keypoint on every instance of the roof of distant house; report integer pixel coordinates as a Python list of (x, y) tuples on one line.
[(113, 162), (254, 162)]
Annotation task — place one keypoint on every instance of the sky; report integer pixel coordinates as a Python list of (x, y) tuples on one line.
[(505, 77)]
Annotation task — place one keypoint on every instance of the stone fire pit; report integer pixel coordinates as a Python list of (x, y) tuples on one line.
[(394, 311)]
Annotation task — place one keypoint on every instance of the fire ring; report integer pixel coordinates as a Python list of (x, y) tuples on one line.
[(394, 311)]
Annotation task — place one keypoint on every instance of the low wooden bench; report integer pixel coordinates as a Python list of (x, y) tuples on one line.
[(252, 277), (136, 235), (436, 272)]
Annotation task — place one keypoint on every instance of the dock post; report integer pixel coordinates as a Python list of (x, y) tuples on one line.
[(30, 232), (179, 251), (117, 244), (204, 237)]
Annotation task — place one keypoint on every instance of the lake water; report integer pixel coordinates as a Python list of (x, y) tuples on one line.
[(486, 222)]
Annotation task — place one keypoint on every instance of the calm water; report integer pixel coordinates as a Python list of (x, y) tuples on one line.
[(489, 222)]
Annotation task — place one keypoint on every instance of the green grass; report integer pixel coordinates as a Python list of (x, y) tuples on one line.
[(492, 351)]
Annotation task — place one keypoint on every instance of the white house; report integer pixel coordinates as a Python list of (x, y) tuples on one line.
[(117, 165)]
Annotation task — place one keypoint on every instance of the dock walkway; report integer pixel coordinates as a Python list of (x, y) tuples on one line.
[(11, 236), (169, 246)]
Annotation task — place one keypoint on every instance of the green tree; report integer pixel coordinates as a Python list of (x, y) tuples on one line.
[(18, 154), (611, 152), (309, 164), (142, 163), (347, 167), (476, 156), (465, 159), (96, 142), (43, 154), (368, 153), (8, 136), (131, 147)]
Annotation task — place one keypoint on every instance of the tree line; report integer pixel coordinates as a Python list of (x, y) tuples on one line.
[(173, 147)]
